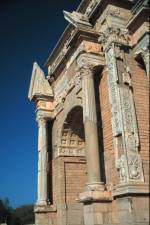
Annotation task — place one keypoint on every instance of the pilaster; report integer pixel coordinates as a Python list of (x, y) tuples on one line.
[(124, 124)]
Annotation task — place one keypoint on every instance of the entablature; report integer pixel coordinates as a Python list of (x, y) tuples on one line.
[(138, 25), (70, 47)]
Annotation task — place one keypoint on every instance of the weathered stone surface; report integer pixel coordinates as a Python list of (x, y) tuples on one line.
[(92, 112)]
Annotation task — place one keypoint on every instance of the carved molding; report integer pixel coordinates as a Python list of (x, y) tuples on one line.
[(39, 86)]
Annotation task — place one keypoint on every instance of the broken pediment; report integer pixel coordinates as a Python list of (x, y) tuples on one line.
[(39, 86), (77, 19)]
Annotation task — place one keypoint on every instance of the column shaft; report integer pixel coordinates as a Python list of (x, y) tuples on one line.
[(42, 162), (90, 125)]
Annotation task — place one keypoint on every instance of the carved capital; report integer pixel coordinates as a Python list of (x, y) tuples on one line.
[(114, 35), (42, 121), (88, 64)]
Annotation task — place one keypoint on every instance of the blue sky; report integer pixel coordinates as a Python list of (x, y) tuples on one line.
[(29, 30)]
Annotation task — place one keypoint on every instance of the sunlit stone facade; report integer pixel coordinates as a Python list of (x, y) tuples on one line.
[(92, 115)]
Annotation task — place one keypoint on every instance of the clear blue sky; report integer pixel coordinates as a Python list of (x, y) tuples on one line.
[(29, 29)]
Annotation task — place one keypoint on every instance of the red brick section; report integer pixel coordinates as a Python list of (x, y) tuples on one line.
[(75, 179), (69, 178), (141, 98), (109, 154)]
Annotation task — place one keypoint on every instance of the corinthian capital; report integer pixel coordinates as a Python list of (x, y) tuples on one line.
[(89, 63), (114, 35)]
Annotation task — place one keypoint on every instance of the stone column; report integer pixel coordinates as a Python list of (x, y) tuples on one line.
[(90, 125), (42, 162)]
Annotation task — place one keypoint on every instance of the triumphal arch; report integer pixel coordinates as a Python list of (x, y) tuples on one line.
[(92, 115)]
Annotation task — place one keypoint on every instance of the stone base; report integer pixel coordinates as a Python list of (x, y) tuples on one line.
[(44, 208), (130, 188), (45, 215), (95, 186), (95, 196), (126, 210)]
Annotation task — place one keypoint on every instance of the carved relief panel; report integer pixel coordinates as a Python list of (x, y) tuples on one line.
[(124, 124)]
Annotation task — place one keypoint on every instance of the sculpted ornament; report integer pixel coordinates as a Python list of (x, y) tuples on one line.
[(114, 34), (120, 165), (132, 155)]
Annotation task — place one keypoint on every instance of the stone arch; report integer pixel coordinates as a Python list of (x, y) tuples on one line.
[(72, 138), (60, 120)]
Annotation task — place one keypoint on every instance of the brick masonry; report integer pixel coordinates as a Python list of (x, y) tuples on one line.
[(64, 109)]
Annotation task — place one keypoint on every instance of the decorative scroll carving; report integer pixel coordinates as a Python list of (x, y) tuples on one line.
[(124, 124)]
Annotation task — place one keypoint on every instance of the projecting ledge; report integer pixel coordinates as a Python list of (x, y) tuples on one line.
[(44, 208), (130, 189), (95, 196)]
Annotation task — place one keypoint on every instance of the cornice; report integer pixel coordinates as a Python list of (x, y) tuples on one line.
[(77, 35), (137, 19)]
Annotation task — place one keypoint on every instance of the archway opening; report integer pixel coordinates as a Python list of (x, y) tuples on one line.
[(73, 152), (73, 136)]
